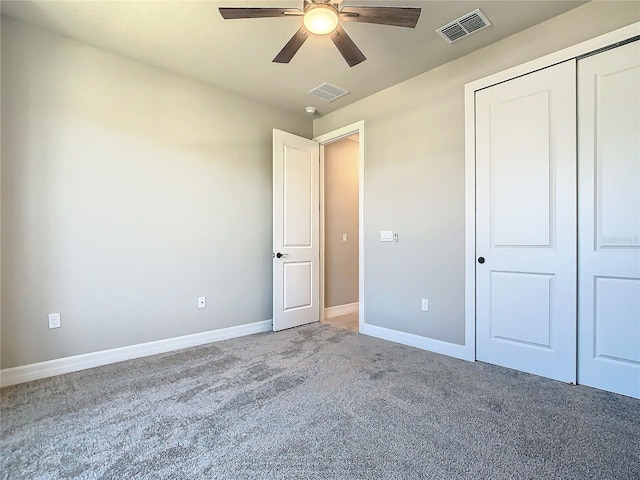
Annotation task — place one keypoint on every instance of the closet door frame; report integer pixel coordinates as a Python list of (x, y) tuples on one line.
[(601, 42)]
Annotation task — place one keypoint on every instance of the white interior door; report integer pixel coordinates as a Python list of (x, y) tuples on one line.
[(609, 220), (526, 223), (296, 214)]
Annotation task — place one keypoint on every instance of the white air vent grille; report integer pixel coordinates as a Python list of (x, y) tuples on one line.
[(328, 92), (464, 26)]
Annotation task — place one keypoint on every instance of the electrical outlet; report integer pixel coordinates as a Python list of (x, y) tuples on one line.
[(54, 320), (425, 305), (202, 302)]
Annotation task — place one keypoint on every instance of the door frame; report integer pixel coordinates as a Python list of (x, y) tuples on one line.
[(607, 40), (324, 139)]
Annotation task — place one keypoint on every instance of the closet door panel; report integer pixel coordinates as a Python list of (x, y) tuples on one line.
[(526, 223), (609, 220)]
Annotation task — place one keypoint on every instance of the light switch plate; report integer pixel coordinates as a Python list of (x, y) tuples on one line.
[(386, 236), (344, 238), (202, 302)]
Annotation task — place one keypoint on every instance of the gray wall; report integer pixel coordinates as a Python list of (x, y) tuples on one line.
[(341, 216), (414, 173), (127, 192)]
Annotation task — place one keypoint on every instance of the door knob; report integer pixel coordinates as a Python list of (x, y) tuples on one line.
[(481, 260), (280, 255)]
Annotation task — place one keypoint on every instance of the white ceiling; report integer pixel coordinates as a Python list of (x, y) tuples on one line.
[(191, 38)]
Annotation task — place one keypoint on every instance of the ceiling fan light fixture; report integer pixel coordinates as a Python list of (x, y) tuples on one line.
[(321, 19)]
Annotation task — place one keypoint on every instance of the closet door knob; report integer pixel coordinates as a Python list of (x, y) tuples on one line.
[(481, 260)]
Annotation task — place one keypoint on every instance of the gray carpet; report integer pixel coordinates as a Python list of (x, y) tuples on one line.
[(314, 402)]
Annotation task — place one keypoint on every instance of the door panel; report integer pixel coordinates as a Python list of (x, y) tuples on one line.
[(522, 186), (510, 293), (609, 220), (298, 197), (617, 310), (298, 282), (526, 223), (296, 206)]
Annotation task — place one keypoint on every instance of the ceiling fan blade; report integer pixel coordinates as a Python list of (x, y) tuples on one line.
[(240, 12), (396, 16), (349, 50), (292, 46)]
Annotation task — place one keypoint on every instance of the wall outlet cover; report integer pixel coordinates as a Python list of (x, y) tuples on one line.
[(54, 320), (425, 305), (202, 302)]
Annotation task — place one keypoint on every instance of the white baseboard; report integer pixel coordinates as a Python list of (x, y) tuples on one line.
[(50, 368), (338, 310), (424, 343)]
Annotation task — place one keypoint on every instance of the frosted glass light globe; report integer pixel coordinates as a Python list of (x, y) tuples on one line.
[(321, 19)]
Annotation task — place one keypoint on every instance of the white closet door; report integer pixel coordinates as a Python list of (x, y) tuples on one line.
[(526, 223), (609, 220)]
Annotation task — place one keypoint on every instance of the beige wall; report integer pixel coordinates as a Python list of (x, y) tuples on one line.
[(414, 173), (341, 216), (127, 192)]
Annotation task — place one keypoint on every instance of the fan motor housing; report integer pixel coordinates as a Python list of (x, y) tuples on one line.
[(310, 4)]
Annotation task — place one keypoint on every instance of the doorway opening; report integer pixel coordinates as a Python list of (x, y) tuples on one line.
[(339, 174), (341, 227), (298, 227)]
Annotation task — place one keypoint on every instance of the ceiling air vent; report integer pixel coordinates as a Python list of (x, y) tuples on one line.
[(328, 92), (464, 26)]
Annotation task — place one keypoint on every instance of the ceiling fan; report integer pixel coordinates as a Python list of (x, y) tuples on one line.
[(323, 17)]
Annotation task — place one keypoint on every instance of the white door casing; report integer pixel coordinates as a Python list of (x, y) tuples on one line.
[(526, 223), (609, 220), (296, 204)]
